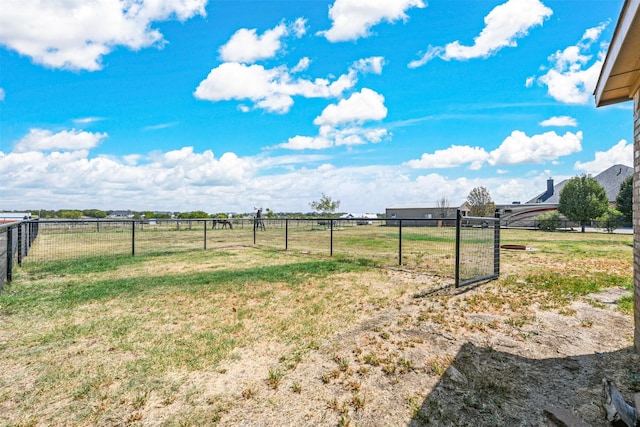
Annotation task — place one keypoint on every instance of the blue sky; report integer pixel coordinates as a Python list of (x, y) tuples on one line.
[(223, 106)]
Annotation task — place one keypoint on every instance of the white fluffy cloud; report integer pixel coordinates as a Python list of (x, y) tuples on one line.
[(302, 65), (76, 34), (329, 136), (453, 156), (45, 140), (247, 47), (559, 121), (185, 180), (58, 170), (359, 107), (273, 89), (341, 123), (573, 72), (519, 148), (503, 26), (353, 19), (373, 65), (620, 153)]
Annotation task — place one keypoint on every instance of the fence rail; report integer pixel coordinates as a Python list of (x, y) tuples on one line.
[(463, 249)]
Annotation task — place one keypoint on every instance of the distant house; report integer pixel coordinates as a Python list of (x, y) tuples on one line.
[(610, 179), (6, 217), (525, 215), (414, 216), (120, 214), (361, 218), (512, 215)]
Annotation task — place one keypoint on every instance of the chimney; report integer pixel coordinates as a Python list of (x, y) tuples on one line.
[(549, 188)]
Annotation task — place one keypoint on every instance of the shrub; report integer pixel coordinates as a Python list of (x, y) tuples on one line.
[(611, 220), (549, 221)]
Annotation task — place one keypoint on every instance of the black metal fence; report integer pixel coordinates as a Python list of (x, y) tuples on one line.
[(462, 248), (15, 241)]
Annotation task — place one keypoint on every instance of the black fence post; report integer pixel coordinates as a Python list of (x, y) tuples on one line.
[(133, 238), (496, 244), (458, 227), (205, 234), (286, 234), (400, 242), (20, 238), (331, 237), (255, 226), (9, 254)]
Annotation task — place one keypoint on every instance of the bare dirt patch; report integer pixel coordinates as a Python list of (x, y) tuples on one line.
[(423, 362)]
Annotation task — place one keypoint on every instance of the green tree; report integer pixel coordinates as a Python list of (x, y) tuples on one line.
[(69, 214), (583, 199), (46, 213), (325, 205), (94, 213), (480, 203), (549, 221), (199, 214), (624, 199)]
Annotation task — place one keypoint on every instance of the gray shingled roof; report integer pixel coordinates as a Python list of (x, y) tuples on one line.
[(610, 179)]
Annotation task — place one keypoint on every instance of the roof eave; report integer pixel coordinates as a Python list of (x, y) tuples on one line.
[(627, 30)]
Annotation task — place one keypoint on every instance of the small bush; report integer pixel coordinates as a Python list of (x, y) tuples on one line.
[(549, 221), (611, 220)]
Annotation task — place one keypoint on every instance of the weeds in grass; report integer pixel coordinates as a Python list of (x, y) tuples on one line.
[(438, 366), (371, 359), (344, 421), (520, 320), (625, 304), (325, 378), (358, 402), (343, 363), (274, 378), (248, 393)]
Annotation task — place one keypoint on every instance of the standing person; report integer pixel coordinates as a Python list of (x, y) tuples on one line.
[(259, 221)]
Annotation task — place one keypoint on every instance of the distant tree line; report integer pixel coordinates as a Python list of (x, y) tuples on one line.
[(100, 214)]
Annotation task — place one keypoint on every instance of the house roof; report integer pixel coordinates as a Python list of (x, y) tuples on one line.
[(620, 75), (610, 179)]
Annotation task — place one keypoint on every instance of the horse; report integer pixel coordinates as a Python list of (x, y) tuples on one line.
[(223, 222)]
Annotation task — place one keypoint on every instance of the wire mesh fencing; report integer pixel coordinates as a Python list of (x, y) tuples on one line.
[(60, 240), (462, 249), (15, 243), (477, 249)]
